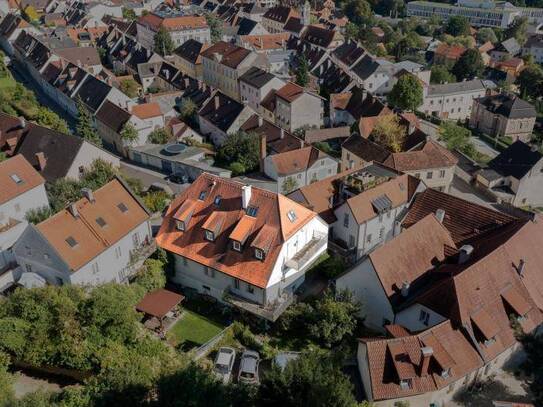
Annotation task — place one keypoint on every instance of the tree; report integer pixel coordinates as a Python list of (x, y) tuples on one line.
[(188, 111), (486, 34), (156, 201), (164, 44), (38, 215), (129, 133), (457, 25), (302, 72), (152, 276), (47, 118), (289, 185), (313, 379), (469, 65), (357, 11), (389, 132), (85, 127), (532, 365), (6, 391), (530, 81), (129, 87), (158, 136), (129, 14), (441, 74), (518, 29), (406, 94), (242, 148), (215, 27)]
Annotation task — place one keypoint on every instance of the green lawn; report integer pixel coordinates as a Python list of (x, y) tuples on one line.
[(193, 330)]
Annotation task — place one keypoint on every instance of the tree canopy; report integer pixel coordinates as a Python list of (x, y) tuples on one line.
[(530, 81), (302, 72), (457, 25), (389, 132), (406, 94), (469, 65), (164, 44), (441, 74), (485, 34), (85, 126), (240, 149), (215, 27), (158, 136)]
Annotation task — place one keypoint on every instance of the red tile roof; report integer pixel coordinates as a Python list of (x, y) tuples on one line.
[(431, 155), (158, 303), (294, 161), (230, 55), (270, 229), (17, 176), (290, 92), (179, 23), (147, 110)]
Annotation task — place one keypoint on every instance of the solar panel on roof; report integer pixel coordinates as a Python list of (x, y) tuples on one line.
[(382, 203)]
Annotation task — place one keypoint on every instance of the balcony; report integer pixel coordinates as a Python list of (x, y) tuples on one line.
[(270, 311), (300, 260)]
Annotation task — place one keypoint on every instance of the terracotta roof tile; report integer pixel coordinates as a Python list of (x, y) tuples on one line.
[(147, 110), (294, 161), (290, 92), (431, 155), (17, 176)]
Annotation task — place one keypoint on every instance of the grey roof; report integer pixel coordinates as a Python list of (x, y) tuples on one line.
[(535, 41), (256, 77), (510, 106), (159, 150), (366, 67), (92, 92), (516, 161), (510, 45), (190, 50), (459, 87)]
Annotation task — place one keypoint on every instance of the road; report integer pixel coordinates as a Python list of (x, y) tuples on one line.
[(148, 177), (462, 189)]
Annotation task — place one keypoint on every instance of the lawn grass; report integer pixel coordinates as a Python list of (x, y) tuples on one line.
[(193, 330)]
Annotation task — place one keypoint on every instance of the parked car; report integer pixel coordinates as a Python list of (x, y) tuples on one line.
[(248, 367), (224, 363), (178, 179)]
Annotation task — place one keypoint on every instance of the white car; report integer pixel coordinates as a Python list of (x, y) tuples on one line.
[(224, 363), (248, 367)]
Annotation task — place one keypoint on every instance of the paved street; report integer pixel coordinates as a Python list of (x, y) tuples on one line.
[(462, 189), (148, 176)]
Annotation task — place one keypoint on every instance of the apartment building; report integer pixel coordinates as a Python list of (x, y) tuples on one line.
[(98, 239), (181, 28), (275, 18), (534, 47), (296, 108), (503, 115), (188, 58), (242, 245), (224, 63), (255, 84)]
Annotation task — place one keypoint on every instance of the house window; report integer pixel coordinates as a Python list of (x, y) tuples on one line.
[(424, 317), (259, 254), (291, 215), (16, 179), (180, 225), (118, 252), (217, 200), (122, 207), (17, 208), (210, 235), (236, 283), (236, 245), (381, 233), (28, 268), (346, 220), (95, 268), (351, 241), (250, 289), (185, 262), (429, 175), (368, 238), (442, 174), (71, 241), (136, 239), (101, 222)]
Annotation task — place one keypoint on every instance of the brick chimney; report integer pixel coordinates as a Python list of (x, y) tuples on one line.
[(41, 160), (87, 193), (217, 102), (427, 353)]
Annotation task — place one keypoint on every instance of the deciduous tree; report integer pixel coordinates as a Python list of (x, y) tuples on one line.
[(469, 65), (164, 44), (389, 132), (85, 127), (406, 94), (457, 25)]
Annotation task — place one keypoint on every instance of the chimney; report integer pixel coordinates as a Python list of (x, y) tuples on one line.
[(440, 215), (187, 82), (263, 151), (520, 268), (411, 128), (427, 353), (73, 210), (216, 100), (87, 193), (260, 121), (465, 253), (22, 123), (405, 289), (40, 158), (245, 196), (282, 133)]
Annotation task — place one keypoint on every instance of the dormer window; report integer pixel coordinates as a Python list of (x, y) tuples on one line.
[(252, 211), (446, 373), (405, 384), (180, 225), (291, 215), (202, 195), (210, 235), (259, 254), (217, 200), (236, 245)]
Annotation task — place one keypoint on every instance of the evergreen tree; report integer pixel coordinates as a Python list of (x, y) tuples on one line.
[(85, 127), (302, 73), (164, 44)]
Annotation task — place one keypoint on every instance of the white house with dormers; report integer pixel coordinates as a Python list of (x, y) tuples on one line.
[(242, 245)]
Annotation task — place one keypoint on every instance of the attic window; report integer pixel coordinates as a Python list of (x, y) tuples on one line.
[(291, 215), (236, 245), (16, 179), (259, 254), (101, 222), (122, 207), (217, 200), (202, 196), (405, 384), (252, 211), (210, 235), (180, 225), (71, 241)]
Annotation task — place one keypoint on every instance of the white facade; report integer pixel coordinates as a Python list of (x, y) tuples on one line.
[(253, 95), (146, 36), (448, 101), (306, 110), (17, 207)]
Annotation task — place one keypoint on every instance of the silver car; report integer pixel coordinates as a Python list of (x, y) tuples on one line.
[(224, 363), (248, 367)]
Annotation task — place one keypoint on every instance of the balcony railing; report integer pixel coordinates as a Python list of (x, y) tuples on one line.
[(270, 311), (299, 260)]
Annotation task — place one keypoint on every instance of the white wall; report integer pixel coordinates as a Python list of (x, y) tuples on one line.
[(410, 318), (85, 157), (17, 207)]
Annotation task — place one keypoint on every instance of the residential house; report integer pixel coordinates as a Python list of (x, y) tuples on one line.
[(181, 28), (453, 100), (534, 47), (275, 18), (503, 115), (430, 161), (297, 168), (446, 54), (60, 156), (296, 108), (242, 245), (84, 57), (255, 84), (514, 176), (225, 63), (188, 58), (357, 151), (150, 113), (363, 206), (221, 116), (505, 50), (101, 238)]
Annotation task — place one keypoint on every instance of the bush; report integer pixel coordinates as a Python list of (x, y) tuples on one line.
[(38, 215), (156, 201), (237, 169), (152, 276)]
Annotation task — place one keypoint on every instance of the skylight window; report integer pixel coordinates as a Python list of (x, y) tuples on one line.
[(202, 196), (101, 222), (291, 215), (217, 200), (71, 241), (16, 179), (122, 207), (252, 211)]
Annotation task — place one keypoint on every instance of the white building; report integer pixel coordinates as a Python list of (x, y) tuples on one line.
[(240, 244), (98, 239)]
